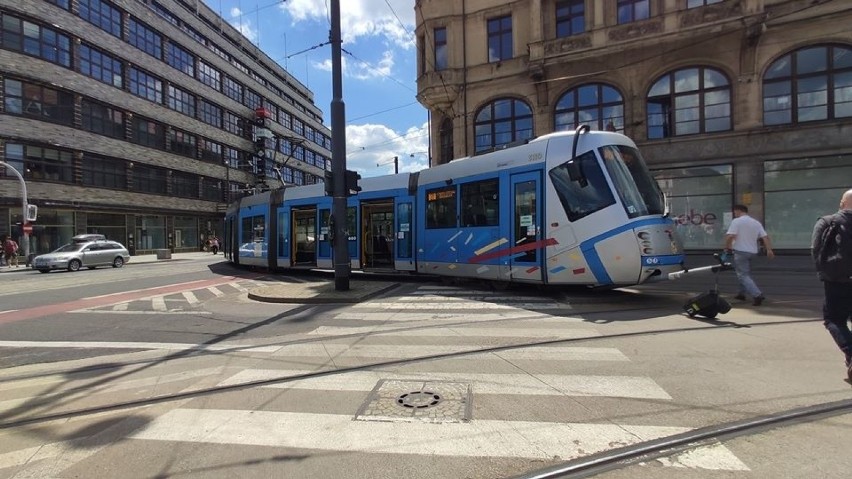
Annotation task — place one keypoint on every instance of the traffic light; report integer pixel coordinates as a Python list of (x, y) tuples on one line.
[(329, 184), (259, 145), (352, 178)]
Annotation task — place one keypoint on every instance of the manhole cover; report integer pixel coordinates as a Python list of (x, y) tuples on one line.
[(428, 401), (418, 399)]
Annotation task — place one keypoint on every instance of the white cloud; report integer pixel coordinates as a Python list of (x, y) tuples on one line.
[(361, 18), (242, 24), (360, 70), (373, 144)]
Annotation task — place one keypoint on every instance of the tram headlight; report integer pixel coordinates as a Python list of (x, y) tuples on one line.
[(648, 251), (644, 235)]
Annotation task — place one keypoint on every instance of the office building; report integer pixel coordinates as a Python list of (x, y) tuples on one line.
[(136, 119), (730, 101)]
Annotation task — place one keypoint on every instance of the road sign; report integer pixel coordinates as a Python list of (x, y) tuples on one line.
[(28, 229)]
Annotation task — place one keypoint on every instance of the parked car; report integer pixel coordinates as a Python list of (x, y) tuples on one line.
[(84, 250)]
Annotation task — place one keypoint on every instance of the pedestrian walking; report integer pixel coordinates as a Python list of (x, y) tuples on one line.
[(831, 248), (742, 240), (214, 244), (10, 251)]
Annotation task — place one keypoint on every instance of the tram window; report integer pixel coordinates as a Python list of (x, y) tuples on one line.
[(581, 201), (253, 229), (441, 208), (480, 203)]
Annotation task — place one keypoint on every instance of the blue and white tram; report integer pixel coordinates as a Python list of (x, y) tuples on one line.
[(566, 208)]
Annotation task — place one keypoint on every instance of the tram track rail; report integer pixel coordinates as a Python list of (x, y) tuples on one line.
[(596, 464)]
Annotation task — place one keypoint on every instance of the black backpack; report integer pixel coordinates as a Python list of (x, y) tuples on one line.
[(833, 252)]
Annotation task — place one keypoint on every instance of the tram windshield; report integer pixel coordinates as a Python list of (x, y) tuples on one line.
[(637, 189)]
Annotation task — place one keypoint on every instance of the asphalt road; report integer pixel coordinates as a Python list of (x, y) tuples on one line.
[(168, 370)]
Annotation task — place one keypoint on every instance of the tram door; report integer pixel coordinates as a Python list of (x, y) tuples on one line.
[(378, 236), (528, 255), (304, 237)]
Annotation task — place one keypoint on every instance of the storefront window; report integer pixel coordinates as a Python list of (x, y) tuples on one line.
[(110, 225), (150, 232), (799, 191), (699, 202), (186, 232), (53, 229)]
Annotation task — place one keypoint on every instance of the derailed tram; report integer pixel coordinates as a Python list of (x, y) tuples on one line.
[(573, 208)]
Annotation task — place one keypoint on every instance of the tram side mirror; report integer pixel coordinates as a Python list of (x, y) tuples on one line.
[(575, 173)]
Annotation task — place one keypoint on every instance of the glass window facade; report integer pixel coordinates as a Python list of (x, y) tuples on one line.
[(186, 232), (689, 101), (146, 85), (145, 38), (500, 39), (39, 102), (570, 17), (441, 50), (810, 84), (150, 232), (597, 105), (100, 66), (502, 122), (633, 10), (102, 14), (102, 119), (798, 191), (700, 202), (35, 40), (180, 59)]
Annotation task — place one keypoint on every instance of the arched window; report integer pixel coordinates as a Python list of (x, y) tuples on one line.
[(502, 122), (689, 101), (446, 136), (597, 105), (811, 84)]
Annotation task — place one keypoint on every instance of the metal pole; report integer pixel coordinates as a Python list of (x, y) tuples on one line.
[(26, 240), (338, 155)]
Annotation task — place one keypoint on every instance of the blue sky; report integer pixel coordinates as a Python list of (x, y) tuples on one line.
[(383, 117)]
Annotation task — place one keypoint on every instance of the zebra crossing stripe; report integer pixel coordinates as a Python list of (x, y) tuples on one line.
[(216, 291), (454, 332), (158, 303), (190, 297), (478, 438), (449, 316), (459, 305), (483, 383)]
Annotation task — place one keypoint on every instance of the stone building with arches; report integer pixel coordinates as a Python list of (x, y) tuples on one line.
[(730, 101)]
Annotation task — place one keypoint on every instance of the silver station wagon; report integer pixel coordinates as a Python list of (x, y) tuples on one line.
[(88, 251)]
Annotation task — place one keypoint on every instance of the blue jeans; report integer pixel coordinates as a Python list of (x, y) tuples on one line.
[(836, 312), (742, 265)]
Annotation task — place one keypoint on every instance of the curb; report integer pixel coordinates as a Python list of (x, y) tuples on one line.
[(346, 297)]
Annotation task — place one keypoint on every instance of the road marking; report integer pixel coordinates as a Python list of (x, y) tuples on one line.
[(104, 300), (461, 305), (190, 297), (216, 291), (508, 315), (158, 303), (120, 307), (8, 311), (480, 438), (139, 345), (450, 333), (483, 383)]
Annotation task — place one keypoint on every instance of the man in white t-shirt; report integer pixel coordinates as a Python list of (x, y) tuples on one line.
[(741, 239)]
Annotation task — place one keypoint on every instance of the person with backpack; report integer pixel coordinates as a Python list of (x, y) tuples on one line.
[(831, 249)]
